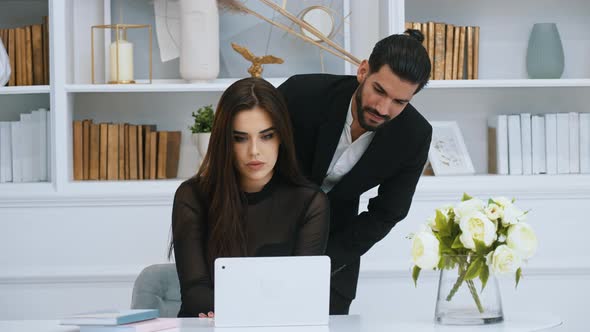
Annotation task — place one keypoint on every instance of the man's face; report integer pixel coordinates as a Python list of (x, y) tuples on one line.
[(381, 96)]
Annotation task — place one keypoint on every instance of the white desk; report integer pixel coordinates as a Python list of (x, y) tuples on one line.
[(353, 323)]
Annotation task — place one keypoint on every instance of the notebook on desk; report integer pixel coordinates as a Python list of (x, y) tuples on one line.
[(272, 291)]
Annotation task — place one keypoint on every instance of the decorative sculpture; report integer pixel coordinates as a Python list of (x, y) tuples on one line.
[(257, 61)]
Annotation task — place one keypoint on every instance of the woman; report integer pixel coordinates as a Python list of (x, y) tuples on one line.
[(248, 198)]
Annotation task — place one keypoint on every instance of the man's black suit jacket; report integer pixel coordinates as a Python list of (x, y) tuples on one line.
[(318, 105)]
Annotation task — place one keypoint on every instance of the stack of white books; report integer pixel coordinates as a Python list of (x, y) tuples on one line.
[(24, 147), (126, 320), (557, 143)]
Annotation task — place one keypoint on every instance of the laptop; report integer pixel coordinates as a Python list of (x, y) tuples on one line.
[(272, 291)]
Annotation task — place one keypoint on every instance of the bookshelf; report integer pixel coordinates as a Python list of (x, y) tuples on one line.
[(502, 88)]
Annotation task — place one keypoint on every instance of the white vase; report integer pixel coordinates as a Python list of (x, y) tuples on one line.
[(201, 141), (199, 40), (4, 65)]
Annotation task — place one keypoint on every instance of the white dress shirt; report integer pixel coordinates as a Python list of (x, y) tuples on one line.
[(347, 153)]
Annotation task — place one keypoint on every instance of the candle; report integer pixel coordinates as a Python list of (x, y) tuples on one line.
[(125, 61)]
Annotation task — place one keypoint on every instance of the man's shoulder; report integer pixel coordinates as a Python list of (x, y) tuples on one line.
[(418, 122), (314, 84)]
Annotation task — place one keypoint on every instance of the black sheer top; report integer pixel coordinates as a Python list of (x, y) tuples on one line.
[(282, 220)]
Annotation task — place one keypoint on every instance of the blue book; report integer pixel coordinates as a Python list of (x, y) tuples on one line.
[(110, 317)]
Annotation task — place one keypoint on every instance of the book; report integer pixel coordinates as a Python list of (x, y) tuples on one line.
[(168, 154), (551, 142), (132, 152), (37, 45), (514, 145), (78, 150), (498, 145), (475, 52), (86, 148), (113, 152), (29, 55), (93, 173), (527, 143), (461, 60), (456, 33), (563, 143), (584, 142), (538, 144), (439, 51), (574, 139), (121, 151), (11, 49), (469, 47), (152, 325), (110, 317), (431, 41), (5, 152), (449, 52), (103, 155)]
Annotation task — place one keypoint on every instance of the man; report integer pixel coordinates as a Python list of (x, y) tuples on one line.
[(356, 133)]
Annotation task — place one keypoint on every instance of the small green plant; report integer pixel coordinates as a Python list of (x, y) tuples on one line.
[(203, 120)]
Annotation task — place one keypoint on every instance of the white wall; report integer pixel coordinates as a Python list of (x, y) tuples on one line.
[(75, 254)]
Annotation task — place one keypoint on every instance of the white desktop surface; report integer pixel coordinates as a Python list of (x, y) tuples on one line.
[(352, 323)]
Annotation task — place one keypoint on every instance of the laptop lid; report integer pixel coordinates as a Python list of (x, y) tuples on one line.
[(272, 291)]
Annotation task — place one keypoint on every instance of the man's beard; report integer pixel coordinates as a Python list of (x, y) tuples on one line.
[(360, 111)]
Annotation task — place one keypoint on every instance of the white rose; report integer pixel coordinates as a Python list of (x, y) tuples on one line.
[(425, 250), (468, 207), (494, 211), (522, 239), (477, 226), (512, 215), (502, 201), (503, 260)]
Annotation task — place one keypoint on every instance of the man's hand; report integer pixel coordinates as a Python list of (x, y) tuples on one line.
[(208, 315)]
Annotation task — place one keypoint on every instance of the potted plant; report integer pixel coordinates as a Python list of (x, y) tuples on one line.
[(201, 128)]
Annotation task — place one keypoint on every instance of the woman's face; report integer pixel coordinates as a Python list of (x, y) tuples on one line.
[(256, 148)]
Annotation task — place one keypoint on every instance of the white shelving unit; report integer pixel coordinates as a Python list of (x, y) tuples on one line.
[(24, 90), (503, 88)]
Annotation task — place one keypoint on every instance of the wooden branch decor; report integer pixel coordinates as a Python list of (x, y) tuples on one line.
[(331, 47), (257, 61)]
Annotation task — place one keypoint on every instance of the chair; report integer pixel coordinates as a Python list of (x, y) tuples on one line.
[(157, 287)]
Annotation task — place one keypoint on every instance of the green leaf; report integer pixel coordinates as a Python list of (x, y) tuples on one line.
[(465, 197), (518, 276), (415, 274), (480, 247), (473, 269), (484, 274), (442, 224), (457, 244), (203, 120)]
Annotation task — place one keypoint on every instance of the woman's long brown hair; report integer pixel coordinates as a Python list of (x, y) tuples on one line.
[(218, 179)]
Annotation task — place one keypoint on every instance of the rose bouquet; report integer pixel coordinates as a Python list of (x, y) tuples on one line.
[(475, 238)]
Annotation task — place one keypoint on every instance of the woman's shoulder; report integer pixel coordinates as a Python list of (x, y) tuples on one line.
[(190, 190)]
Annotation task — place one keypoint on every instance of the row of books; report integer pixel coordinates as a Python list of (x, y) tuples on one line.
[(453, 50), (129, 320), (24, 147), (122, 151), (28, 52), (556, 143)]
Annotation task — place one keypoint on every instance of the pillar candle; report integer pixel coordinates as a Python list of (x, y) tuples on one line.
[(125, 60)]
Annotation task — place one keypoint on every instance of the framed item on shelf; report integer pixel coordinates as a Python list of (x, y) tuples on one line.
[(448, 154)]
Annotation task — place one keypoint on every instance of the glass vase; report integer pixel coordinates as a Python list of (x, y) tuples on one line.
[(463, 302)]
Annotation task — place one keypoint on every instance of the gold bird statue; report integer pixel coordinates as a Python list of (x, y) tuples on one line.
[(257, 61)]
